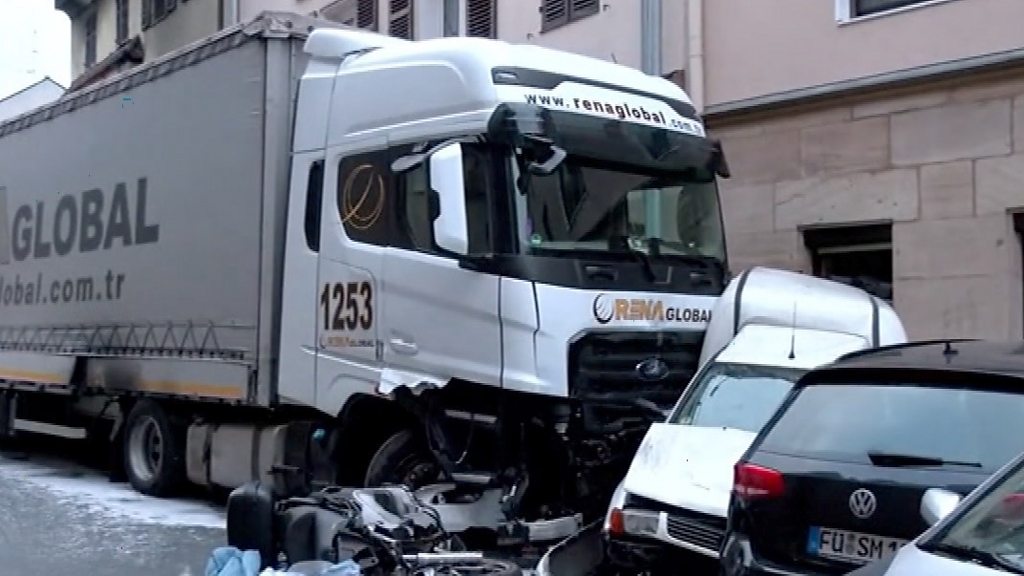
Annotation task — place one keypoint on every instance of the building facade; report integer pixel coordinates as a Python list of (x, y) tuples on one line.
[(110, 35), (880, 142)]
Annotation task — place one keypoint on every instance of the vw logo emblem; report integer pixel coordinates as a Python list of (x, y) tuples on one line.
[(603, 309), (652, 369), (862, 503)]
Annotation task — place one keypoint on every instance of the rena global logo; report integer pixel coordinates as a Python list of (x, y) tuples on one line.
[(604, 308)]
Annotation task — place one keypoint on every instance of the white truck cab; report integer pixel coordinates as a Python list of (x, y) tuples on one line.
[(769, 328), (508, 232)]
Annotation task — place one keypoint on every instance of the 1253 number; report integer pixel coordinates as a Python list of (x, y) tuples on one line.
[(347, 306)]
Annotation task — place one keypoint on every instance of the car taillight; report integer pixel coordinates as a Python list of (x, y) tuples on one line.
[(616, 523), (751, 482)]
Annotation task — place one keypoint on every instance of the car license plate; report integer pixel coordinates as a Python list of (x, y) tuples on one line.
[(850, 546)]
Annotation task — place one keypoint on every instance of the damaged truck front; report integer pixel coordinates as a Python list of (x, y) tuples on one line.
[(378, 260)]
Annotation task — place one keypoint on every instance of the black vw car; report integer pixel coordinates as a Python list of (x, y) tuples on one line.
[(837, 476)]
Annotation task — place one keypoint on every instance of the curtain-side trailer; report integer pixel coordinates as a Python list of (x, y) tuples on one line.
[(141, 256)]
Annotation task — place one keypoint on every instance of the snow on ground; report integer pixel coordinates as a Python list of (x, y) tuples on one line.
[(58, 517), (89, 489)]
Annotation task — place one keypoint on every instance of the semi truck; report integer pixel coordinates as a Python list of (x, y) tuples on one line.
[(304, 253)]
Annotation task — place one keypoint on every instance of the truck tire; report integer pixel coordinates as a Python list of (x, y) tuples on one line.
[(154, 450), (402, 459)]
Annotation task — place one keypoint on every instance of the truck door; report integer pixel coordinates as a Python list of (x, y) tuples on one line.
[(355, 228), (441, 320)]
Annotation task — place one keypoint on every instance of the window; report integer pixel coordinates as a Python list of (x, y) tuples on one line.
[(153, 11), (357, 13), (378, 207), (860, 256), (848, 422), (90, 39), (587, 206), (400, 19), (847, 9), (122, 21), (314, 200), (419, 208), (481, 20), (366, 203), (736, 396), (994, 524), (558, 13)]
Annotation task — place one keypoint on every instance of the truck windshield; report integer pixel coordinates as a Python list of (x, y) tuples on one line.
[(621, 187), (735, 396), (586, 206)]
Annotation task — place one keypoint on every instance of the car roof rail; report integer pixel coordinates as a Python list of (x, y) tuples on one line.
[(900, 346)]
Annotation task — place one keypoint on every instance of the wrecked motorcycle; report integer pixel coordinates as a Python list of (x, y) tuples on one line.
[(386, 531)]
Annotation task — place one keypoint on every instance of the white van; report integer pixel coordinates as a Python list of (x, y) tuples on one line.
[(768, 329)]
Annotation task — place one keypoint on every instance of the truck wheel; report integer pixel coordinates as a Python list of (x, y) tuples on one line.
[(154, 449), (402, 459)]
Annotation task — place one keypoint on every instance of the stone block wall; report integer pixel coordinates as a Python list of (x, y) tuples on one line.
[(944, 163)]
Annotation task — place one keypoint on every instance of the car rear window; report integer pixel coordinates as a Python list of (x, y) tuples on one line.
[(848, 421)]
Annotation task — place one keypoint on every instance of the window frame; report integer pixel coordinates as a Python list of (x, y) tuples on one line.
[(91, 39), (122, 14), (570, 13), (824, 241), (847, 10), (151, 16)]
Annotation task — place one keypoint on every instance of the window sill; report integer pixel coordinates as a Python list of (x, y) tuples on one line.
[(893, 12)]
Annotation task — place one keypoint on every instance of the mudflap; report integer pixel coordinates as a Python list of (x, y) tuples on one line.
[(581, 554)]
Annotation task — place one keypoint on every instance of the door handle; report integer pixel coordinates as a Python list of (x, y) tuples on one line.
[(403, 347)]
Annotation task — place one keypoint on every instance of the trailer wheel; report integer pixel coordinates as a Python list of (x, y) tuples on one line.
[(154, 449), (402, 459)]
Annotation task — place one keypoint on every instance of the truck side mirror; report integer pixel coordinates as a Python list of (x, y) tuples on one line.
[(451, 230)]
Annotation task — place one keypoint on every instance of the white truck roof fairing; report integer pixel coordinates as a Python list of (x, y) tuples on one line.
[(463, 80), (475, 58), (773, 297)]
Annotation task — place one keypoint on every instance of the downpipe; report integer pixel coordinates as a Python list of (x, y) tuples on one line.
[(650, 61)]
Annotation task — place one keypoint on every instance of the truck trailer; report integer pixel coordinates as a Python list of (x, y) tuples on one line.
[(303, 253)]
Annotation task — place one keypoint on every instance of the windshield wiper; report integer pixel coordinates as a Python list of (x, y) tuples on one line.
[(622, 242), (977, 555), (909, 460)]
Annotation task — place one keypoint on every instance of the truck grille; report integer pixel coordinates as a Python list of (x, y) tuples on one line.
[(698, 530), (603, 366)]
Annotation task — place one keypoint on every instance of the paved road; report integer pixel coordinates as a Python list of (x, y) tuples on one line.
[(60, 518)]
